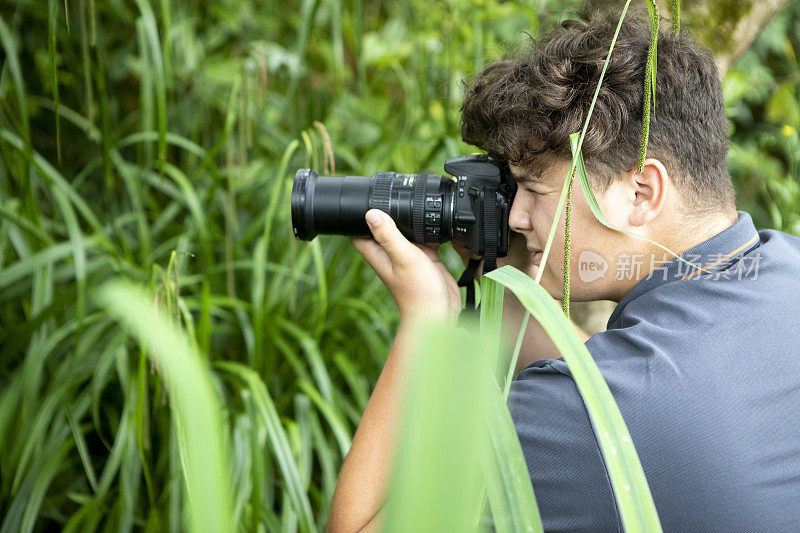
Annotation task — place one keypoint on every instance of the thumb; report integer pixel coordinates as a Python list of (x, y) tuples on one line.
[(385, 232)]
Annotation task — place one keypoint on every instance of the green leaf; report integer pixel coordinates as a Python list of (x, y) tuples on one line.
[(783, 107), (491, 316), (471, 425), (12, 60)]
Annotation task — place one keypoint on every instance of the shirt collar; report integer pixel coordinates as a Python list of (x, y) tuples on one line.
[(712, 254)]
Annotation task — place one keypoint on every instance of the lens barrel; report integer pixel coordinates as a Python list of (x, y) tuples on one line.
[(420, 204)]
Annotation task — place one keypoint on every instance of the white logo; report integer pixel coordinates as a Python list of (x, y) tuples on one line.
[(591, 266)]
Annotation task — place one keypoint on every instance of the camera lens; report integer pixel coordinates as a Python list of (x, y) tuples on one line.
[(420, 204)]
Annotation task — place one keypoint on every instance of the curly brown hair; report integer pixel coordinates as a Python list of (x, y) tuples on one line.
[(523, 109)]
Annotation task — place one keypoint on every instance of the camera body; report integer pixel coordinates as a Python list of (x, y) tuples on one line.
[(471, 207), (483, 197)]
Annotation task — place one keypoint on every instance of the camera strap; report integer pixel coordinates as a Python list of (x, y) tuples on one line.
[(467, 280), (489, 238), (490, 229)]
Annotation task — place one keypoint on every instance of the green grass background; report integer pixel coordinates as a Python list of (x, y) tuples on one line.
[(155, 142)]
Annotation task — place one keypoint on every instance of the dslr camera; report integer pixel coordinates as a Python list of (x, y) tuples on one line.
[(470, 206)]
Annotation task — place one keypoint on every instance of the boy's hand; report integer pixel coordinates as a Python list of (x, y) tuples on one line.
[(518, 256), (415, 276)]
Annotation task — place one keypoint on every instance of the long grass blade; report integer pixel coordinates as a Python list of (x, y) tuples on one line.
[(635, 503), (159, 77), (508, 482), (52, 24), (196, 405), (573, 164)]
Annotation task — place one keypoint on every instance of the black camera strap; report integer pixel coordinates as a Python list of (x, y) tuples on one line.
[(467, 280), (490, 229), (489, 238)]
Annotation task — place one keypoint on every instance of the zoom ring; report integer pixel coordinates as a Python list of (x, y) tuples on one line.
[(418, 209), (381, 193)]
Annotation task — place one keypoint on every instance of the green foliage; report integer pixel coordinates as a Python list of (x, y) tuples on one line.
[(180, 126), (761, 101), (714, 25)]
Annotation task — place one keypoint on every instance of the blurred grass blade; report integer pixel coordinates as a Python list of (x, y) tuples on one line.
[(507, 480), (331, 415), (194, 403), (83, 452), (634, 501), (322, 288), (145, 92), (432, 488), (78, 246), (28, 266), (55, 178)]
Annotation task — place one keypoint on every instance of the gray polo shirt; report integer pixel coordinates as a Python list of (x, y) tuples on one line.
[(705, 369)]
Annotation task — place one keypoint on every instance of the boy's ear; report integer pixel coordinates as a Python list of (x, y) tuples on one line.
[(650, 189)]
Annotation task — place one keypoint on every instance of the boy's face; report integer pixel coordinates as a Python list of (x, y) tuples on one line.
[(597, 252)]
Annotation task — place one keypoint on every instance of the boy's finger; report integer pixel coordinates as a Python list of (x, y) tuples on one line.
[(385, 232), (373, 253)]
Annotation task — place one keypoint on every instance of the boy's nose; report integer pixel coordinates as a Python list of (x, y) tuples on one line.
[(519, 219)]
